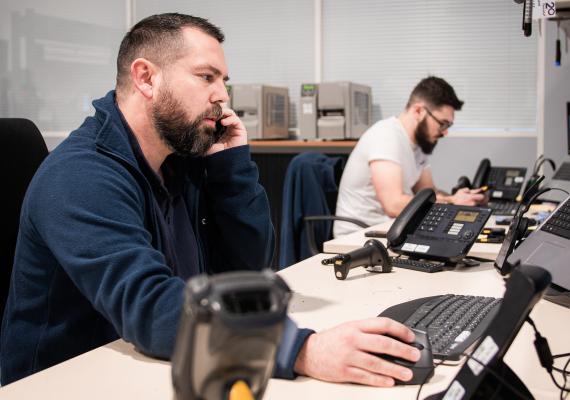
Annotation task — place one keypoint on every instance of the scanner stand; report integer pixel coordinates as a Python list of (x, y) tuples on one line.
[(491, 387)]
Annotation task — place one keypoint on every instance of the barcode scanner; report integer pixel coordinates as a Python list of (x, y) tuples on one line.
[(373, 256), (230, 327)]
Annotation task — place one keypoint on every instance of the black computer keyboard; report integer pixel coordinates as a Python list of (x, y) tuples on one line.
[(417, 265), (453, 322), (559, 223), (508, 208)]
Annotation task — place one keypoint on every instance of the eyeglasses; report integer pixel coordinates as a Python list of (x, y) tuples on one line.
[(443, 125)]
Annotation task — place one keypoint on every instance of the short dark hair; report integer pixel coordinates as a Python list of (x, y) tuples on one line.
[(159, 39), (436, 92)]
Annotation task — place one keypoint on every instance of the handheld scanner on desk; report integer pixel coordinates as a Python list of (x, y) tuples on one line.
[(443, 232), (230, 327), (372, 255)]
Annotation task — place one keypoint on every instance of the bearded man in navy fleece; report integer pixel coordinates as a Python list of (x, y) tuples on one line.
[(141, 197)]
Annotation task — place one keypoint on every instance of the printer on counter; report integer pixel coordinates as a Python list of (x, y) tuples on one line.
[(335, 110), (263, 109)]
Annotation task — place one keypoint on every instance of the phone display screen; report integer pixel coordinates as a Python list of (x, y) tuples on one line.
[(466, 216)]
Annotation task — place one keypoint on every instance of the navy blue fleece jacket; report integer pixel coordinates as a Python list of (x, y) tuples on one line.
[(89, 266)]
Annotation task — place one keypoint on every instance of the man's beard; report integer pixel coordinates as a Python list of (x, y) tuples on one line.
[(422, 138), (182, 135)]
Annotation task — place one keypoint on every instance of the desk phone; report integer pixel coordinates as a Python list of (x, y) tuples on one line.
[(505, 183), (428, 230)]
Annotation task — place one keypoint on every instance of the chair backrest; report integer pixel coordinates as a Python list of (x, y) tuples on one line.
[(310, 188), (23, 150)]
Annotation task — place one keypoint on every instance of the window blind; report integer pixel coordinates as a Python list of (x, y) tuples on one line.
[(478, 47)]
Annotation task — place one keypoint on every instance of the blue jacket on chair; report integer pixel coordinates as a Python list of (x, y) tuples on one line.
[(310, 176)]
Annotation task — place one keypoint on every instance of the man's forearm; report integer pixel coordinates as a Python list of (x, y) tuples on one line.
[(394, 206)]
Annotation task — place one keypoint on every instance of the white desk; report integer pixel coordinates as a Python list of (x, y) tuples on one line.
[(356, 239), (117, 371)]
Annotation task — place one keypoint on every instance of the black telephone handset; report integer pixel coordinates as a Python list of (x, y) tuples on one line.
[(433, 231), (410, 217), (482, 174), (220, 131), (479, 180)]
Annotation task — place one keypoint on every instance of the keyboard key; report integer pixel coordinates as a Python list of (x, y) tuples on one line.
[(559, 223), (563, 172)]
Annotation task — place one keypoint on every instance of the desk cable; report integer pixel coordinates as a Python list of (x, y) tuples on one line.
[(541, 160), (427, 377), (547, 360)]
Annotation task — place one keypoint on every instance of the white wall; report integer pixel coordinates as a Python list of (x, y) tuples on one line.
[(456, 156), (556, 81)]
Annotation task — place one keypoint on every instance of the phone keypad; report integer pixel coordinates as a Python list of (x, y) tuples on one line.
[(434, 217), (456, 230)]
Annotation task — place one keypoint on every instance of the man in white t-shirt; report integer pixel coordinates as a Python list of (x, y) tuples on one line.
[(390, 161)]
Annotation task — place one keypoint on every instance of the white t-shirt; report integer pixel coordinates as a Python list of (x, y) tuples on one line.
[(385, 140)]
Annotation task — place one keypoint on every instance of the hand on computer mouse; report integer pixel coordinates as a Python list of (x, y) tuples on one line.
[(423, 368), (348, 353)]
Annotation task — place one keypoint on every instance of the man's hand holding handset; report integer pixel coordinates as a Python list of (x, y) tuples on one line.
[(231, 129)]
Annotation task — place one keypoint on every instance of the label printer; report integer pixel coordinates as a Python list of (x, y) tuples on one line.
[(334, 110), (263, 109)]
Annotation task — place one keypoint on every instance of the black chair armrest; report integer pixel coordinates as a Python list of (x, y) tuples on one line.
[(310, 228)]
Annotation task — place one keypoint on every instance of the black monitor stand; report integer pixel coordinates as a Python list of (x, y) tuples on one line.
[(558, 295), (493, 388), (525, 286)]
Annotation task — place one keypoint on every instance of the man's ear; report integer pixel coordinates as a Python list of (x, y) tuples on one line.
[(419, 110), (143, 75)]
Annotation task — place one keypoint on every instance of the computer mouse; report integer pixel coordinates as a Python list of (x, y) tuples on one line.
[(423, 368)]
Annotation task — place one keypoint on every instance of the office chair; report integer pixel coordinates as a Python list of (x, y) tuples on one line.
[(23, 150), (309, 194)]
